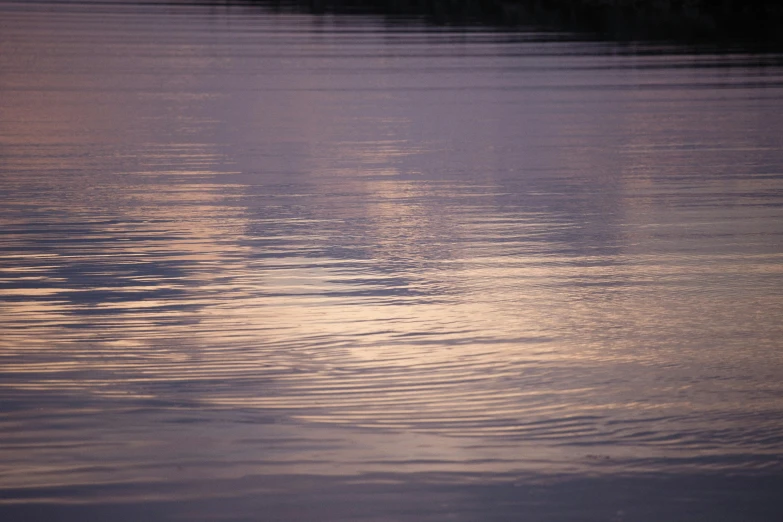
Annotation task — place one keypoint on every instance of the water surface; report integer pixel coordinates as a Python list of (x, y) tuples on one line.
[(265, 266)]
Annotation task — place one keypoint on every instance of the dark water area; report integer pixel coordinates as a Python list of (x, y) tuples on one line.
[(756, 22), (261, 265)]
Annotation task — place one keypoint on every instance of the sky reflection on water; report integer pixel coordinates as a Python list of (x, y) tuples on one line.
[(320, 267)]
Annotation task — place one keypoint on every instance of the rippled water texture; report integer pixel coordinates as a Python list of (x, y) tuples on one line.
[(260, 266)]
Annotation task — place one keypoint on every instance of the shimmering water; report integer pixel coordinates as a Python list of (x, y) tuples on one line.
[(259, 266)]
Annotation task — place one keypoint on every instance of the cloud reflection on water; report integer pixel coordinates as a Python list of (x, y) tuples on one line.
[(252, 248)]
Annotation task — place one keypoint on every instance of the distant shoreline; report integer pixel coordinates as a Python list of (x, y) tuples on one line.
[(759, 20)]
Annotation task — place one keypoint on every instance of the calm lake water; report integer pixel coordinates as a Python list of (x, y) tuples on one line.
[(269, 266)]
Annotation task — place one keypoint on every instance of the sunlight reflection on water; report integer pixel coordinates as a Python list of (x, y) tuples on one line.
[(238, 245)]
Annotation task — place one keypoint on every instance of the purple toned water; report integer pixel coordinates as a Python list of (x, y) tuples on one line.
[(268, 266)]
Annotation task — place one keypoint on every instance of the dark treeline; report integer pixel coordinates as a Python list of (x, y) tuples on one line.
[(625, 19)]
